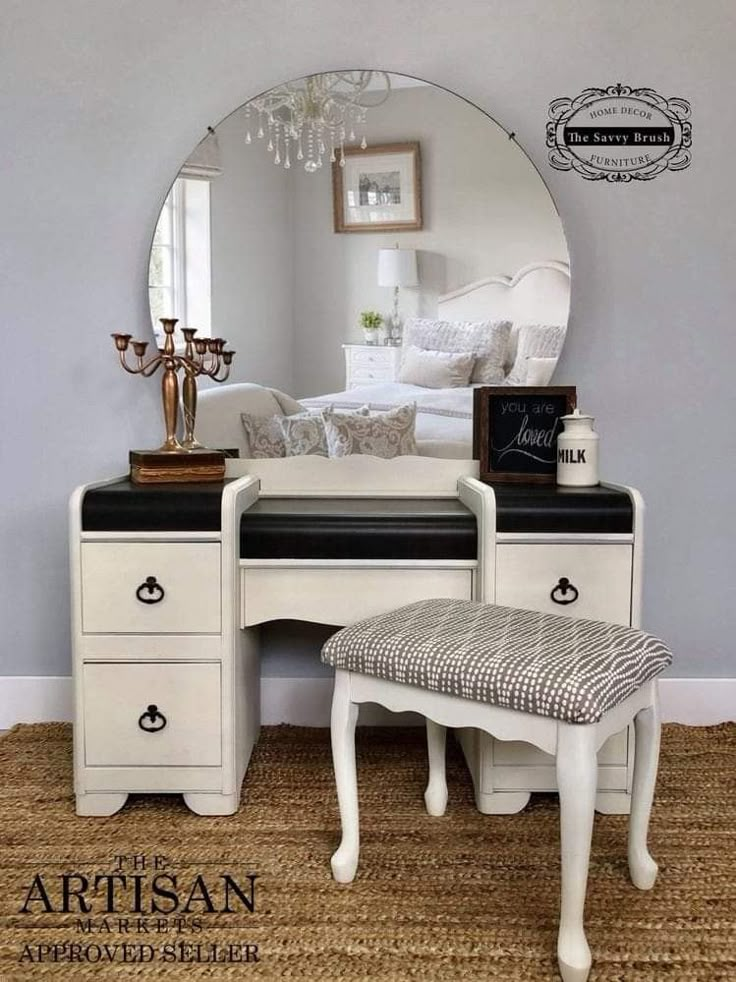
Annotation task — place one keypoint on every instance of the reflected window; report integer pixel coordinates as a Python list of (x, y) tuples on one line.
[(179, 273)]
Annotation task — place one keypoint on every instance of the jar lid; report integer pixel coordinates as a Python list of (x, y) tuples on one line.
[(576, 414)]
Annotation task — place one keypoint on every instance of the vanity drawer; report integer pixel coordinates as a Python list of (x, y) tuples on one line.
[(342, 595), (594, 579), (183, 730), (144, 587)]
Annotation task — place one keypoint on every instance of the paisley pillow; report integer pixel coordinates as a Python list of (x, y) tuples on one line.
[(263, 436), (388, 434), (303, 434)]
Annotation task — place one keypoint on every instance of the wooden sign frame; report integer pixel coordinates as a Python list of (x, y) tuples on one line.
[(526, 401)]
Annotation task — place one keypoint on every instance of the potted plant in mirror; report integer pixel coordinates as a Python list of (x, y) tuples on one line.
[(370, 321)]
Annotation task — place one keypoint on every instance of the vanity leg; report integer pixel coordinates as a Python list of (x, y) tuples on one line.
[(577, 775), (211, 803), (100, 804), (501, 802), (435, 796), (642, 867), (344, 861), (613, 802)]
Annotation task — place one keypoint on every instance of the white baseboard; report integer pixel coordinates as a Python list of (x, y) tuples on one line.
[(306, 702)]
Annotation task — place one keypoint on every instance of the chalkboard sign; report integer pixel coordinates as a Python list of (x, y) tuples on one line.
[(515, 431)]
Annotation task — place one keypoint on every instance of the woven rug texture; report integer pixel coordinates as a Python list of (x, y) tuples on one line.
[(466, 897)]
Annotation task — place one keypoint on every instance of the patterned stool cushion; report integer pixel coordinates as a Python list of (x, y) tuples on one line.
[(572, 670)]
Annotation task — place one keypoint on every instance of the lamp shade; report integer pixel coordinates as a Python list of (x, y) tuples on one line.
[(397, 267)]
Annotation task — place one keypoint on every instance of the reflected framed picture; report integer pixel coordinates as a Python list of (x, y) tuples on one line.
[(379, 189)]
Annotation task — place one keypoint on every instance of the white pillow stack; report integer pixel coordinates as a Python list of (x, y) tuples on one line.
[(436, 369), (535, 341), (486, 340)]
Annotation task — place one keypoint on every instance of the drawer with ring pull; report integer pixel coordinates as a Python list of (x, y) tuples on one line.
[(142, 714), (587, 580), (145, 587)]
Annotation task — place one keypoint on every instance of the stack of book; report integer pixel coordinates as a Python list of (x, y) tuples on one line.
[(155, 467)]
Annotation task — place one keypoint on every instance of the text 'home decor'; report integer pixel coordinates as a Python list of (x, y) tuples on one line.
[(619, 134)]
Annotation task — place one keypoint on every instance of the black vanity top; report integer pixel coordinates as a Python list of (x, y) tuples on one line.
[(436, 528), (358, 528), (127, 507), (549, 508)]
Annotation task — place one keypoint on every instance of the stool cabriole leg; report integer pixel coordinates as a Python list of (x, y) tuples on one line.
[(435, 796), (344, 861), (577, 775), (647, 727)]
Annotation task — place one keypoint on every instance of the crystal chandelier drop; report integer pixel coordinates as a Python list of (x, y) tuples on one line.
[(315, 117)]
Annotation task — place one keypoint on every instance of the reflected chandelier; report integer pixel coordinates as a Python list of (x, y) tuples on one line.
[(315, 116)]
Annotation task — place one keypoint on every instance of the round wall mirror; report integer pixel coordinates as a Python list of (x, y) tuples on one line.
[(336, 225)]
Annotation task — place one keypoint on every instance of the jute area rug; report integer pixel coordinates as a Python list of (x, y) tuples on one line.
[(465, 897)]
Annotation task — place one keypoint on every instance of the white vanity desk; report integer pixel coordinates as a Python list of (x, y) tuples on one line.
[(170, 585)]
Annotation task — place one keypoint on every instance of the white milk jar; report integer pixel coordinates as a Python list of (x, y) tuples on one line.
[(577, 452)]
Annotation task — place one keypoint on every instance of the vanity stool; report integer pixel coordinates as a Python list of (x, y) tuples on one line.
[(562, 684)]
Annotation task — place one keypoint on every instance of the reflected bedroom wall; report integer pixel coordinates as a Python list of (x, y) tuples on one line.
[(287, 290)]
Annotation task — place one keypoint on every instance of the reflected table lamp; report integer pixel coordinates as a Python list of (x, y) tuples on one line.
[(397, 268)]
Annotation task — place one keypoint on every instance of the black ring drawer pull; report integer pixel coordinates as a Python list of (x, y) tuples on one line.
[(154, 590), (559, 593), (152, 720)]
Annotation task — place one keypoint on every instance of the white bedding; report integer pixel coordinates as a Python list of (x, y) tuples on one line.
[(444, 416)]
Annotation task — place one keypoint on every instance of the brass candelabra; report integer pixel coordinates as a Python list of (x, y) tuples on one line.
[(202, 356)]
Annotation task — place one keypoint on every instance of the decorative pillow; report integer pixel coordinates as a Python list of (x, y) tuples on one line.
[(487, 340), (535, 341), (435, 369), (388, 434), (263, 436), (539, 371), (303, 433), (512, 348)]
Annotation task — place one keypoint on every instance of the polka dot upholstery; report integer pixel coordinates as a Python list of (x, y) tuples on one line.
[(570, 669)]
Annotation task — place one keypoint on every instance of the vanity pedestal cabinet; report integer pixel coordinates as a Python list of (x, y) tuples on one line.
[(574, 552), (171, 583), (167, 689)]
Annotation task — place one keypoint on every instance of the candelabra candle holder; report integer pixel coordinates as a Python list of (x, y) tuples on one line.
[(202, 356)]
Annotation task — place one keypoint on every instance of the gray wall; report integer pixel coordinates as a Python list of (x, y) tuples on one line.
[(100, 103)]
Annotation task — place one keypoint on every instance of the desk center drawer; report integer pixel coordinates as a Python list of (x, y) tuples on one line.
[(341, 594), (143, 587), (146, 714)]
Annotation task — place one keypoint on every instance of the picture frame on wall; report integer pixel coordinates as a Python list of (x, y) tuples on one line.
[(379, 189), (515, 430)]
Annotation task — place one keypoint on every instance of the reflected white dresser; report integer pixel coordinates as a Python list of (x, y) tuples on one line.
[(171, 583), (368, 364)]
